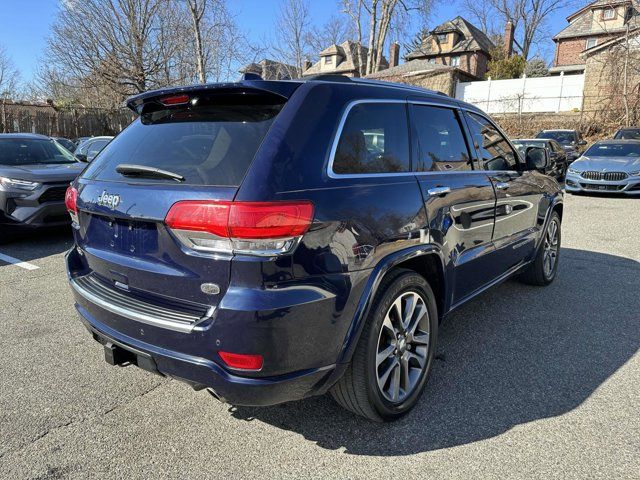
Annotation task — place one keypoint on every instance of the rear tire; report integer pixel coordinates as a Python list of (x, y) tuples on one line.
[(394, 355), (542, 271)]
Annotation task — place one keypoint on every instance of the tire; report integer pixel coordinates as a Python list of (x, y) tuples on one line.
[(538, 272), (358, 390)]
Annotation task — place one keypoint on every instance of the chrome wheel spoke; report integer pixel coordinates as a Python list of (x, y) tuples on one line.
[(382, 379), (422, 311), (409, 308), (406, 380), (395, 383), (383, 355), (421, 339)]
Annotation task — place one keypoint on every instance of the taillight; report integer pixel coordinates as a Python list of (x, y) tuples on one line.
[(71, 202), (241, 361), (175, 100), (255, 228)]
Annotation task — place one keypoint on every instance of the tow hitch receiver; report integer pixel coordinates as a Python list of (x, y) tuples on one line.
[(116, 355)]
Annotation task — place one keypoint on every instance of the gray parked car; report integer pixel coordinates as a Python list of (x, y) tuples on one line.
[(91, 147), (607, 166), (35, 172)]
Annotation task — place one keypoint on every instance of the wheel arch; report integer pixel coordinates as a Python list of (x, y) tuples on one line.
[(426, 260)]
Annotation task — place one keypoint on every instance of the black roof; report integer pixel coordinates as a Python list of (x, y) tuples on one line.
[(283, 88)]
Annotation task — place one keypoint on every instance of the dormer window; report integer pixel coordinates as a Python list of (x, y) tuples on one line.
[(328, 60), (442, 38), (608, 14)]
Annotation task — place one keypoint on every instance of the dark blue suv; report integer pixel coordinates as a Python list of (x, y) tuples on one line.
[(271, 241)]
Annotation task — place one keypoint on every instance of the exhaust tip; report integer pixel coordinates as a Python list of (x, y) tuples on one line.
[(213, 393)]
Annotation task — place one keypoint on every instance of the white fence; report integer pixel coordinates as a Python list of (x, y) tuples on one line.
[(562, 93)]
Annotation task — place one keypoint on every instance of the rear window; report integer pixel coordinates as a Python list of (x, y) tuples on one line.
[(210, 142), (29, 151), (559, 136), (627, 135)]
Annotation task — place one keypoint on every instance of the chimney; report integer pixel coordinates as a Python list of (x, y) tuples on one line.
[(394, 55), (508, 38), (307, 65)]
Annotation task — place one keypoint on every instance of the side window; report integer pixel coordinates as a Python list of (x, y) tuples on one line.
[(374, 139), (96, 147), (441, 144), (494, 150)]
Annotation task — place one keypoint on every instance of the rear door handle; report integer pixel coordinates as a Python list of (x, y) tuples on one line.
[(502, 185), (438, 191)]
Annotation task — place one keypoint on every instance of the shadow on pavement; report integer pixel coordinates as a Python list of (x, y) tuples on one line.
[(514, 355), (35, 244)]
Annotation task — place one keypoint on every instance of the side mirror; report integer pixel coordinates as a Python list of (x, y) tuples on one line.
[(582, 142), (536, 159), (82, 157)]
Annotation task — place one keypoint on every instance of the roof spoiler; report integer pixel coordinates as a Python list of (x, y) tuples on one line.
[(280, 88)]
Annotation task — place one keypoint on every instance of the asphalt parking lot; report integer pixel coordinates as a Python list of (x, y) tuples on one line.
[(530, 383)]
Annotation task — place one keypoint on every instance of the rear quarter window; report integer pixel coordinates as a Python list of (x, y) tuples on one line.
[(374, 139), (212, 143)]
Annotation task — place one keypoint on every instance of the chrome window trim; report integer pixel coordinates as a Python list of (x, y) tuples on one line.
[(480, 113), (343, 119)]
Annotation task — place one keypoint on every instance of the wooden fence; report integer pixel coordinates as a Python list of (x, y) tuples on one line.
[(80, 122)]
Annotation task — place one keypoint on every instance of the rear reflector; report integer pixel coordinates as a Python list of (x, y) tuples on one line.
[(241, 361)]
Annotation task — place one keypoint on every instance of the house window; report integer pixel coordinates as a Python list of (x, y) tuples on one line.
[(328, 60), (608, 14), (455, 61), (442, 38), (432, 60), (591, 42)]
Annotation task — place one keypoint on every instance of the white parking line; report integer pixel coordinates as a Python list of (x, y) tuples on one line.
[(17, 262)]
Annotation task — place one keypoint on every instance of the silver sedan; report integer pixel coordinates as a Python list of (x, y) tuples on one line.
[(607, 166)]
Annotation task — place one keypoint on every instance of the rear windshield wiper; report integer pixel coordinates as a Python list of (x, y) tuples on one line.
[(129, 170)]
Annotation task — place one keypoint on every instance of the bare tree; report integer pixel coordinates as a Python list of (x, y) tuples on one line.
[(197, 9), (122, 46), (528, 17), (334, 31), (9, 78), (292, 33), (381, 15)]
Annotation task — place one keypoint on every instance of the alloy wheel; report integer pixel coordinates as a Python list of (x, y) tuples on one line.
[(403, 347), (550, 248)]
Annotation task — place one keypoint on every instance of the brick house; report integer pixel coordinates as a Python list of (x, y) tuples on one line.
[(456, 43), (347, 59), (605, 74), (591, 26)]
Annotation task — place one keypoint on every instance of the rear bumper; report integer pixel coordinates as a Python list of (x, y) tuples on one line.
[(203, 373)]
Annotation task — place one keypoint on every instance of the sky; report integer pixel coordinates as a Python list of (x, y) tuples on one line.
[(25, 24)]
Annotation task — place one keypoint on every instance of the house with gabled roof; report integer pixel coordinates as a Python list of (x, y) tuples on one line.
[(347, 59), (271, 70), (456, 43), (589, 27)]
